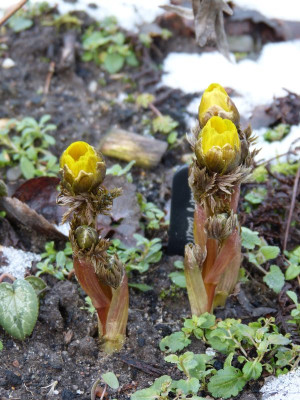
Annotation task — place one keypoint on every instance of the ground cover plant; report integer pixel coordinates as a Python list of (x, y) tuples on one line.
[(53, 350)]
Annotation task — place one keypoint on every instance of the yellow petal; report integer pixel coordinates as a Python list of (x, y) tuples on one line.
[(219, 132), (83, 168), (79, 156), (214, 95)]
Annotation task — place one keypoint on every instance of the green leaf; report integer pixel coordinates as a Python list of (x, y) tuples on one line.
[(256, 196), (37, 283), (1, 346), (18, 308), (252, 370), (188, 386), (270, 252), (161, 384), (141, 286), (260, 174), (132, 60), (293, 296), (18, 24), (274, 278), (172, 137), (292, 272), (175, 342), (111, 380), (27, 167), (164, 124), (278, 133), (113, 62), (145, 394), (199, 370), (226, 383), (206, 320), (250, 238), (172, 358), (178, 278), (179, 264), (278, 339)]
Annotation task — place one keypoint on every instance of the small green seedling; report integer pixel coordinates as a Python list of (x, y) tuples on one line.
[(110, 379), (56, 263), (258, 347), (108, 46), (140, 257), (154, 216), (25, 144), (117, 170)]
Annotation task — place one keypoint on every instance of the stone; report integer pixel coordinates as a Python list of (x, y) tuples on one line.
[(128, 146), (8, 63)]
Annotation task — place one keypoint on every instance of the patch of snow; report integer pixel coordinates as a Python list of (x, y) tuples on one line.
[(273, 149), (287, 9), (129, 13), (284, 387), (257, 82), (18, 261), (63, 228)]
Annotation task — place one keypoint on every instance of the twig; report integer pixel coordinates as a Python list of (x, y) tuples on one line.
[(12, 11), (103, 393), (155, 110), (6, 275), (294, 195), (142, 366), (274, 158), (49, 77), (94, 387)]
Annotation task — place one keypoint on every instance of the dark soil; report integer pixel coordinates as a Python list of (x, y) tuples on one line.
[(62, 355)]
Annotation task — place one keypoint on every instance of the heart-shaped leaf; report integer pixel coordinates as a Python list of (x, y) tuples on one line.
[(18, 308)]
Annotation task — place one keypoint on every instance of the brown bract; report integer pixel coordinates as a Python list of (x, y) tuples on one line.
[(88, 205)]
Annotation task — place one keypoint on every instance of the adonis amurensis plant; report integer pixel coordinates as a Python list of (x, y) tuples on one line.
[(101, 275), (222, 162)]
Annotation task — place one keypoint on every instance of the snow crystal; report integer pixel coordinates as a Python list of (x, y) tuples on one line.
[(18, 261), (285, 387), (287, 9)]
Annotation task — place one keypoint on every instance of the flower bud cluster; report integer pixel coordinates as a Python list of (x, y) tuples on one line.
[(83, 170), (218, 145)]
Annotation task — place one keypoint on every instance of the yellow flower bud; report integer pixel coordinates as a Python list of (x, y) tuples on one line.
[(83, 168), (218, 146), (215, 101)]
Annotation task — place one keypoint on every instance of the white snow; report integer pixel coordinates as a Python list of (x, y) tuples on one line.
[(287, 9), (17, 261), (269, 150), (285, 387), (129, 13), (63, 228), (257, 81)]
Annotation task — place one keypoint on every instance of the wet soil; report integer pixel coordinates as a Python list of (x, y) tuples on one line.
[(62, 358)]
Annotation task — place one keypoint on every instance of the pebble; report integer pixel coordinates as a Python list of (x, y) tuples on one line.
[(8, 63), (68, 395), (12, 379), (13, 173), (92, 86)]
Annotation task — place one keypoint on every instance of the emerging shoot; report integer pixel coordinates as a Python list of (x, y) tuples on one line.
[(223, 161), (102, 276)]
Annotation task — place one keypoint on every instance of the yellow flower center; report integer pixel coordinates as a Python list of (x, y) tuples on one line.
[(79, 156), (219, 132), (214, 95)]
